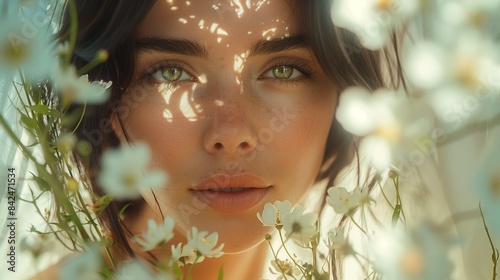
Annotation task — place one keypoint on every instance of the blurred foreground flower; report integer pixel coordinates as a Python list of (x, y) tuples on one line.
[(460, 79), (391, 124), (25, 47), (157, 235), (419, 254), (134, 270), (124, 173), (80, 90), (82, 267), (205, 243), (372, 20)]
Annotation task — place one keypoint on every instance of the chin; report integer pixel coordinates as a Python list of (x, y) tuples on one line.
[(240, 244), (239, 232)]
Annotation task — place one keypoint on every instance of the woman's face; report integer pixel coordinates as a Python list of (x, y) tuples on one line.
[(235, 109)]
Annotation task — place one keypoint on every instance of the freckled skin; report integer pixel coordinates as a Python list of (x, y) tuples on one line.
[(275, 130)]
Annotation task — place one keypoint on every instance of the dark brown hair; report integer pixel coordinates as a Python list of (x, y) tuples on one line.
[(110, 25)]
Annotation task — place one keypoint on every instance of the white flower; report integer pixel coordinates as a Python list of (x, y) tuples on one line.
[(389, 123), (336, 239), (123, 172), (460, 78), (135, 270), (300, 226), (487, 185), (417, 254), (185, 254), (425, 65), (272, 213), (24, 45), (80, 90), (157, 235), (83, 267), (205, 243), (468, 62), (372, 20), (344, 202), (286, 267)]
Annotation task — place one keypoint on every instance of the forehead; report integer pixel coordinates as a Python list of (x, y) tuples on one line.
[(224, 22)]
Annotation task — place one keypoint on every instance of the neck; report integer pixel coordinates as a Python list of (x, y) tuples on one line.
[(246, 265)]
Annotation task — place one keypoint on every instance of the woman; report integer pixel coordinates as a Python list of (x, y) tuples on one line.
[(237, 103)]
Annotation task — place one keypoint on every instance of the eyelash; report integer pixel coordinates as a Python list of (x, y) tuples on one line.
[(297, 65), (146, 77)]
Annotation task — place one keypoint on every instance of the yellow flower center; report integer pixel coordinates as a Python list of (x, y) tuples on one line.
[(72, 185), (495, 185), (412, 262), (477, 19), (464, 71), (206, 241), (384, 5), (15, 54), (70, 93), (130, 181), (391, 132)]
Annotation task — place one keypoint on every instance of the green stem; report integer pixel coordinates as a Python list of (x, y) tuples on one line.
[(385, 197), (49, 224), (276, 260), (313, 250), (81, 119), (494, 254), (288, 253), (191, 267), (360, 228), (93, 63), (73, 30)]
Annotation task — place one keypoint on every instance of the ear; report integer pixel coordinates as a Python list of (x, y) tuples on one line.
[(116, 124)]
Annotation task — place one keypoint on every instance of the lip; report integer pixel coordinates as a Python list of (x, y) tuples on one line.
[(231, 193)]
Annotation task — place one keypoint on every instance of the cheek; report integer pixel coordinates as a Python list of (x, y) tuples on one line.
[(300, 146), (174, 142)]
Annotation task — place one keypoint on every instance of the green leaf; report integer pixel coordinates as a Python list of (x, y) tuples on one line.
[(30, 124), (42, 184), (220, 275), (395, 215), (44, 110)]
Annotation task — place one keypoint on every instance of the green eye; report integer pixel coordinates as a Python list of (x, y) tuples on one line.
[(171, 74), (283, 72)]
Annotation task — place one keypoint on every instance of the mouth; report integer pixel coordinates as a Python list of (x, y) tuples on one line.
[(231, 193), (228, 190)]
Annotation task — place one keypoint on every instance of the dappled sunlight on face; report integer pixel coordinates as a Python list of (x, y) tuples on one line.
[(183, 106), (232, 88)]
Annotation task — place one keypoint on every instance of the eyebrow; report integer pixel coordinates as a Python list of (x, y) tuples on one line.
[(278, 45), (177, 46), (192, 48)]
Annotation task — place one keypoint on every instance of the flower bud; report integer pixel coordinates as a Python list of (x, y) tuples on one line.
[(393, 174)]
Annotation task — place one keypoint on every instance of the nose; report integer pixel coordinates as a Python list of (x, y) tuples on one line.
[(229, 132)]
